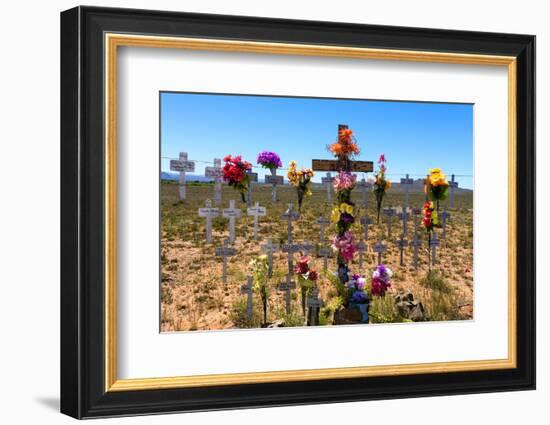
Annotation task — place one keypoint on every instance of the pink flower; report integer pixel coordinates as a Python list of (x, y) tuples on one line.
[(344, 180), (344, 245)]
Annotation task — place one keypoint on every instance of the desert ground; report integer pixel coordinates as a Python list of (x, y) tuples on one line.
[(192, 294)]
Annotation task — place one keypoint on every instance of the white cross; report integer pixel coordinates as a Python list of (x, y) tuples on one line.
[(256, 211), (415, 243), (274, 180), (452, 186), (444, 216), (401, 244), (364, 185), (407, 182), (361, 247), (416, 217), (287, 286), (327, 181), (313, 305), (434, 243), (182, 165), (404, 216), (380, 248), (232, 214), (247, 289), (322, 222), (290, 216), (209, 213), (270, 248), (216, 173), (389, 212), (252, 178), (224, 252), (365, 221)]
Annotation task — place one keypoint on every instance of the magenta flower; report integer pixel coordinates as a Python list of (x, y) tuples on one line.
[(344, 180), (269, 160), (344, 245)]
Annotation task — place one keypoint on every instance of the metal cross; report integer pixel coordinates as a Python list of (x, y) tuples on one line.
[(287, 286), (401, 244), (407, 182), (327, 181), (224, 252), (290, 216), (209, 213), (256, 211), (270, 248), (232, 214), (322, 222), (361, 247), (444, 217), (365, 221), (415, 243), (434, 243), (380, 248), (364, 186), (404, 216), (252, 178), (274, 180), (416, 218), (325, 252), (452, 186), (389, 212), (216, 173), (314, 303), (247, 289), (183, 166), (291, 249)]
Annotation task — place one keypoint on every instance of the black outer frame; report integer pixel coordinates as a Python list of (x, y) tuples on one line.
[(82, 208)]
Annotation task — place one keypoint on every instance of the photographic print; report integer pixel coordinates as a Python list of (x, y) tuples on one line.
[(293, 211)]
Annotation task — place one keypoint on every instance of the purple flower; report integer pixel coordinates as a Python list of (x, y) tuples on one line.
[(359, 297), (346, 218), (269, 160)]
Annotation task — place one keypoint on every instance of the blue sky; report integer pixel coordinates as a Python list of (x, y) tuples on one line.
[(414, 136)]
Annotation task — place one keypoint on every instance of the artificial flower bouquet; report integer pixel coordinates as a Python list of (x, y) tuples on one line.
[(269, 160), (259, 268), (436, 186), (234, 173), (358, 296), (381, 185), (301, 180), (307, 277)]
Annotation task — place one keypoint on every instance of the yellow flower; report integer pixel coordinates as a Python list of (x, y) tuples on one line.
[(388, 184), (346, 208), (335, 215), (437, 178)]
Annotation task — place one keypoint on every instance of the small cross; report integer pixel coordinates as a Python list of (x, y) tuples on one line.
[(270, 248), (364, 186), (389, 212), (290, 216), (322, 222), (325, 252), (232, 214), (252, 178), (216, 173), (361, 247), (182, 165), (256, 211), (327, 181), (415, 243), (291, 249), (380, 248), (247, 289), (444, 217), (416, 218), (287, 286), (452, 186), (434, 243), (224, 252), (401, 244), (404, 216), (274, 180), (407, 182), (209, 213), (365, 221), (313, 304)]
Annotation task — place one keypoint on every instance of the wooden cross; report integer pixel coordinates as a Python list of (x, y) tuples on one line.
[(256, 211), (365, 221), (444, 217), (183, 166), (322, 222), (209, 213), (401, 244), (327, 182), (404, 216), (274, 180), (452, 186), (224, 252), (335, 165), (287, 286), (434, 243), (389, 212), (416, 218), (232, 214), (364, 186), (290, 216), (325, 252), (216, 173), (247, 289), (291, 249), (407, 182), (270, 248), (380, 248), (415, 243), (314, 303), (252, 178), (361, 247)]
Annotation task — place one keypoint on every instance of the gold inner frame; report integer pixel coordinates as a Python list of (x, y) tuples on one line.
[(113, 41)]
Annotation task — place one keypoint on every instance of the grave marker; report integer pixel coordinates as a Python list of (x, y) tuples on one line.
[(365, 221), (247, 289), (380, 248), (364, 186), (252, 178), (224, 252), (416, 218), (415, 243), (209, 213), (314, 305), (404, 216), (183, 166), (256, 211), (327, 182), (401, 244), (389, 213), (270, 248), (444, 217), (322, 222), (452, 186), (325, 252), (434, 243), (407, 182), (289, 215), (274, 180), (287, 286), (216, 173), (232, 214), (361, 247)]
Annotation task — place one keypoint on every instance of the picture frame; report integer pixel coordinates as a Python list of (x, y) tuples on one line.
[(90, 39)]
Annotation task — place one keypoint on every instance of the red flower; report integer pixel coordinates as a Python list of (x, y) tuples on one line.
[(312, 275)]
